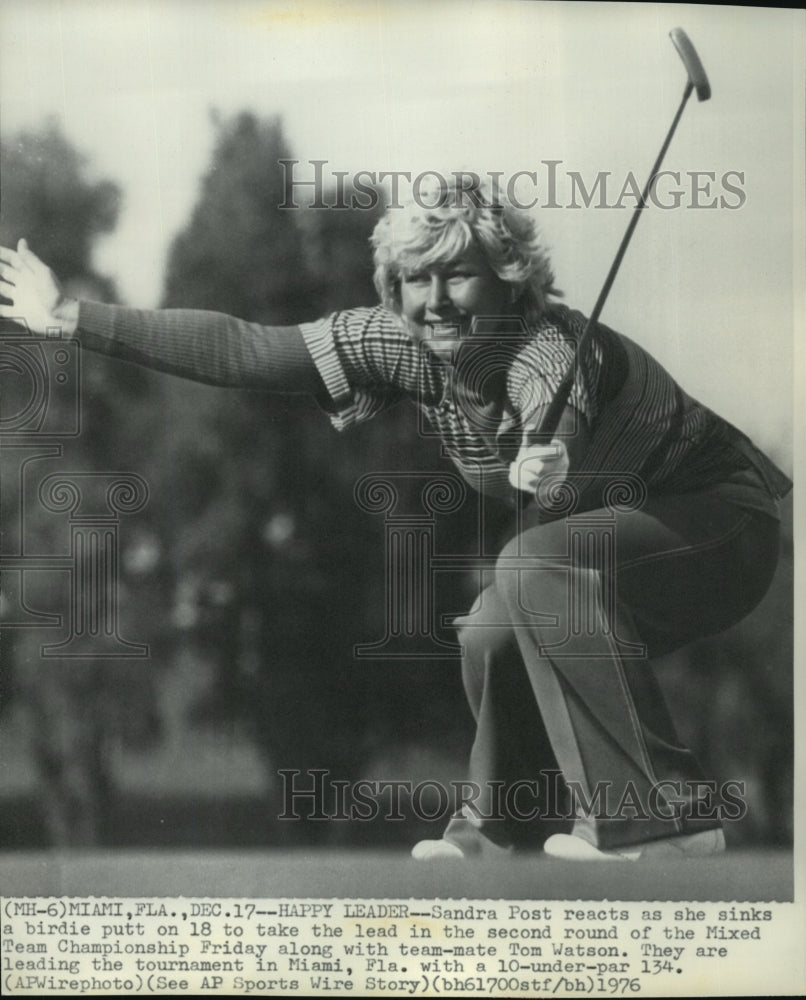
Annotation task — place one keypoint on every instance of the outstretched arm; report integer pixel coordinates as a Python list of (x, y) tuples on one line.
[(204, 346)]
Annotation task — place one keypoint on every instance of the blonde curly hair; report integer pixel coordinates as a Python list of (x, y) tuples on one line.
[(435, 228)]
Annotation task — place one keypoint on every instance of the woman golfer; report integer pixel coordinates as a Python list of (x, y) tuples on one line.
[(646, 523)]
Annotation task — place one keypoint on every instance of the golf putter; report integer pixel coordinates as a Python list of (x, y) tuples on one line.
[(697, 80)]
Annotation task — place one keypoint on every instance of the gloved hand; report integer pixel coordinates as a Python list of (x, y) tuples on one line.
[(35, 293), (533, 462)]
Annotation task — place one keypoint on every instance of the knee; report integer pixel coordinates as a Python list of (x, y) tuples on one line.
[(522, 567), (478, 642), (485, 628)]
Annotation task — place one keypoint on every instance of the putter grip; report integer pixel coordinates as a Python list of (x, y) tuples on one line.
[(691, 61)]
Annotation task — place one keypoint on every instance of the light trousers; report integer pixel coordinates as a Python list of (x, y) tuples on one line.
[(556, 667)]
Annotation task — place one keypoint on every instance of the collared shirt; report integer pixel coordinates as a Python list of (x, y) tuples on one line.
[(641, 424)]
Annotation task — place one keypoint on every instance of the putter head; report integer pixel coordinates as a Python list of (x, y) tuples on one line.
[(694, 68)]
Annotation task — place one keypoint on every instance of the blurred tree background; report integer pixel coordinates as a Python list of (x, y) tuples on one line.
[(252, 572), (72, 708)]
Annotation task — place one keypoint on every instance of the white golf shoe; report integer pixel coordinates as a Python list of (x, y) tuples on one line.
[(436, 850), (567, 847), (466, 840)]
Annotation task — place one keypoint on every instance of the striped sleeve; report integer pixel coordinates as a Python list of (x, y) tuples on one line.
[(642, 420), (365, 361), (535, 375)]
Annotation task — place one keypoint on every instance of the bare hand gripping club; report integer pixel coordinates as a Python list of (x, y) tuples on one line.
[(697, 80)]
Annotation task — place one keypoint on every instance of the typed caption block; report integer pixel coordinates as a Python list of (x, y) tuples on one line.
[(243, 947)]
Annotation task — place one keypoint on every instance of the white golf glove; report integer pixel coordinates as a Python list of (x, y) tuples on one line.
[(536, 461)]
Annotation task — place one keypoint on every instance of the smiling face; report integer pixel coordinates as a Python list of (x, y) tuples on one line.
[(440, 301), (470, 255)]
